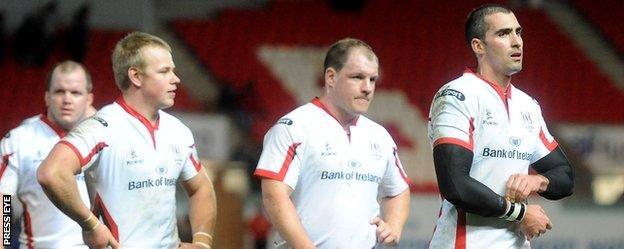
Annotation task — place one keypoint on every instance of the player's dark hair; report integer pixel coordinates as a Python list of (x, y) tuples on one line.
[(475, 24)]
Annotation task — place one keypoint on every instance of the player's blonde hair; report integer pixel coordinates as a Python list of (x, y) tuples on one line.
[(128, 54)]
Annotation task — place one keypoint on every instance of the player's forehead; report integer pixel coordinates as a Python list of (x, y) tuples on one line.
[(498, 21), (74, 80), (156, 57), (361, 60)]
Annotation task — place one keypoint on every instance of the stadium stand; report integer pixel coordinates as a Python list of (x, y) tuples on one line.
[(408, 37), (605, 16), (23, 87)]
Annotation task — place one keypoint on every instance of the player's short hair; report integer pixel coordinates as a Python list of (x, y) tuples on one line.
[(67, 67), (338, 53), (475, 23), (128, 54)]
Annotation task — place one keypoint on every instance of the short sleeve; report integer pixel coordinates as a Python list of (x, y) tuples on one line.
[(546, 142), (88, 139), (192, 165), (450, 119), (395, 179), (279, 159), (9, 165)]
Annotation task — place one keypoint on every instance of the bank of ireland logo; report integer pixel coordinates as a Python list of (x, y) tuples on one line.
[(354, 164), (162, 169), (515, 141)]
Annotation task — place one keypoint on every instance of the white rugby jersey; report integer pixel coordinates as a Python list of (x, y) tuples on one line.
[(132, 168), (336, 178), (506, 133), (22, 150)]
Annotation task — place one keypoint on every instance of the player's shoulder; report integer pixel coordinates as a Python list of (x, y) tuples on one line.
[(171, 121), (523, 98), (298, 117), (27, 127), (462, 88), (372, 127)]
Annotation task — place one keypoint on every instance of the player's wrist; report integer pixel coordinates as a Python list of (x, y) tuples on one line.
[(202, 239), (90, 223), (514, 212)]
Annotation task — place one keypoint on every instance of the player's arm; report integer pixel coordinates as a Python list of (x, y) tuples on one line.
[(283, 215), (395, 210), (57, 178), (553, 181), (557, 169), (452, 164), (202, 208)]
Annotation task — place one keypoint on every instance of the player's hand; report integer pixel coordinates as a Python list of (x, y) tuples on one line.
[(535, 222), (100, 238), (184, 245), (386, 234), (520, 186)]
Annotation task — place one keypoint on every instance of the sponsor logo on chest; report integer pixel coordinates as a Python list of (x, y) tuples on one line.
[(489, 118), (134, 158)]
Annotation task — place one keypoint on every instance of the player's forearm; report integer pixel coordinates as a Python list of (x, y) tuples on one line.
[(284, 217), (62, 190), (557, 169), (452, 164), (203, 209), (396, 210)]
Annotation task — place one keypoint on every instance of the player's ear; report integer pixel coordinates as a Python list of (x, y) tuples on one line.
[(478, 46), (134, 74), (330, 77)]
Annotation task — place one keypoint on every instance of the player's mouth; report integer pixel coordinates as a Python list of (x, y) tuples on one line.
[(516, 56)]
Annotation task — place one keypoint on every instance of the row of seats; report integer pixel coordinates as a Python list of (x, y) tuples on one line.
[(24, 87), (420, 45), (606, 15)]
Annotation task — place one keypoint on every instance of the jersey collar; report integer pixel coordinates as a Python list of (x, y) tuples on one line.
[(506, 94), (151, 128), (317, 102), (57, 129)]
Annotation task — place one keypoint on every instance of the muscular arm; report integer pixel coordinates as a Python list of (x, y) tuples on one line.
[(281, 210), (452, 164), (56, 176), (556, 168), (202, 205), (395, 212)]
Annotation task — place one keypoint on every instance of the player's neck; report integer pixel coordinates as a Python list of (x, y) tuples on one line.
[(141, 106), (345, 119), (497, 78)]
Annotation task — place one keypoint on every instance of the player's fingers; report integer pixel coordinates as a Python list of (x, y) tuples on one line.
[(549, 225), (375, 221), (114, 244), (383, 235), (389, 241)]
